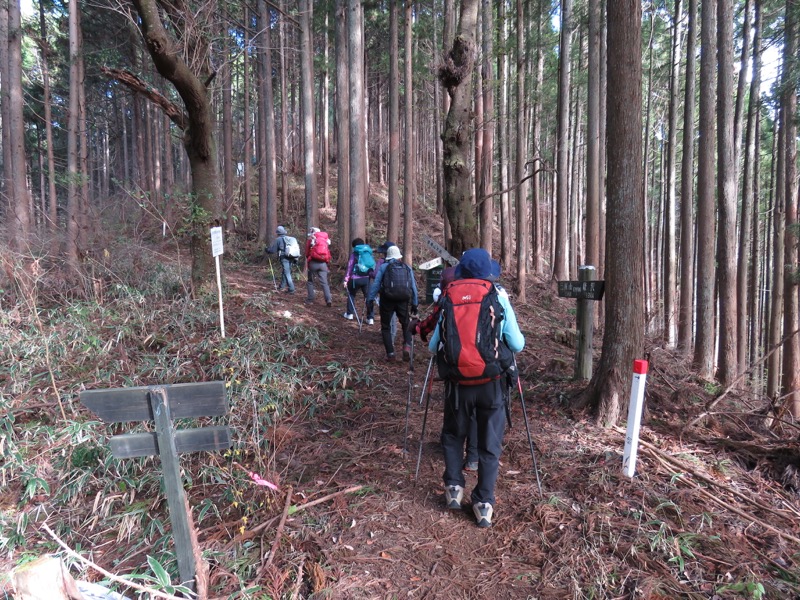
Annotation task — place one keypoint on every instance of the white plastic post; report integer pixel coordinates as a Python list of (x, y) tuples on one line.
[(217, 249), (634, 417)]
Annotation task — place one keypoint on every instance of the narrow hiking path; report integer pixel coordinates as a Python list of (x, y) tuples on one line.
[(593, 533), (398, 539)]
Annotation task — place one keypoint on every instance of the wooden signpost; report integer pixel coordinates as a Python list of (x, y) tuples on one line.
[(584, 290), (436, 247), (161, 404)]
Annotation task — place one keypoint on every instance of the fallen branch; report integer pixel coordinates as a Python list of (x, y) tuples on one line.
[(658, 454), (106, 574), (299, 507), (736, 381), (745, 515), (276, 542)]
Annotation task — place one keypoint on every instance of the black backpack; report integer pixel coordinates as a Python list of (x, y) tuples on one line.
[(396, 284)]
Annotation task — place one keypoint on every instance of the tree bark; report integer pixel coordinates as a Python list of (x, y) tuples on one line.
[(52, 197), (522, 186), (487, 156), (592, 255), (669, 262), (750, 328), (790, 382), (270, 201), (19, 219), (506, 227), (307, 100), (706, 217), (227, 134), (563, 251), (74, 174), (286, 158), (726, 195), (358, 163), (624, 325), (393, 227), (198, 138), (409, 178), (456, 76), (686, 309), (342, 130), (247, 137)]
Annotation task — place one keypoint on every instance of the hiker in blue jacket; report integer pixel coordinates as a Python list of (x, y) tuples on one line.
[(357, 277), (395, 284), (279, 247), (485, 400)]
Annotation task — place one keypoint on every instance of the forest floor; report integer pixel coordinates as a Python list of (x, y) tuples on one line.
[(704, 517), (713, 511)]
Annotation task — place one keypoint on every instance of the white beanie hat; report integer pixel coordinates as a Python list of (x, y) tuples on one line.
[(393, 252), (312, 231)]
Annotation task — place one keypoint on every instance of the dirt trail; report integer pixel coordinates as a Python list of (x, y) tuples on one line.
[(593, 533)]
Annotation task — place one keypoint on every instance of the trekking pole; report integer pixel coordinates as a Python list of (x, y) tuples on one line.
[(424, 421), (271, 270), (427, 375), (410, 386), (355, 312), (528, 429)]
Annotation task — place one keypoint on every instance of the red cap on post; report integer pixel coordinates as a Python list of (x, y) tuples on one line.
[(640, 367)]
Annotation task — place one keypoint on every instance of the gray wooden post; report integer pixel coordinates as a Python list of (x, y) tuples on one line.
[(585, 322), (176, 497)]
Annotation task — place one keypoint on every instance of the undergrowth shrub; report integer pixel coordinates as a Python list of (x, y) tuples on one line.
[(143, 331)]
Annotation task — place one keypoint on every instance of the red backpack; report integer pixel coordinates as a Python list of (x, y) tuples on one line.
[(320, 249), (471, 350)]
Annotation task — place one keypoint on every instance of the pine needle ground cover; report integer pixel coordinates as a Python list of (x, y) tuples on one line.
[(313, 411)]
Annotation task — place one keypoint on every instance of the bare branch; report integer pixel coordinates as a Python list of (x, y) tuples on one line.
[(140, 86)]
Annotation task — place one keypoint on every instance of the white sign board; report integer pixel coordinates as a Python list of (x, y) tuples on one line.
[(216, 241), (431, 264)]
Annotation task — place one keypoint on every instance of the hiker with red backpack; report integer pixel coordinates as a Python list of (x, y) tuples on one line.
[(395, 284), (318, 255), (475, 340), (360, 268), (424, 328)]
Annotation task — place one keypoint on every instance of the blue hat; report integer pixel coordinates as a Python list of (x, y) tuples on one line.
[(384, 247), (477, 263)]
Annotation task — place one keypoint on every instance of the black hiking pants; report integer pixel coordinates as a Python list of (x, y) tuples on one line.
[(387, 309), (487, 404)]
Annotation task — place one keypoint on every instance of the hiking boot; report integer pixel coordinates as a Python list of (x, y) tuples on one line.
[(390, 357), (470, 465), (370, 321), (347, 316), (328, 304), (483, 513), (406, 352), (453, 494)]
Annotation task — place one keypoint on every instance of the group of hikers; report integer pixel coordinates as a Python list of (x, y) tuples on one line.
[(474, 336)]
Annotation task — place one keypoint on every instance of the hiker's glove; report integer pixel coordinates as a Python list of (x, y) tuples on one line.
[(414, 311), (413, 326)]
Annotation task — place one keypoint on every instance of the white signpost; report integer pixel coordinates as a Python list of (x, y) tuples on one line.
[(431, 264), (634, 417), (216, 251)]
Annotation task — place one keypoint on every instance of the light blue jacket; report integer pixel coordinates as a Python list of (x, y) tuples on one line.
[(375, 288), (509, 332)]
